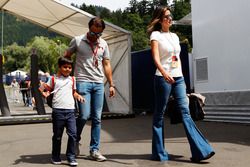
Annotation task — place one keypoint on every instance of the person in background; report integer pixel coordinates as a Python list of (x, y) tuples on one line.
[(63, 110), (169, 80), (47, 76), (24, 90), (92, 64), (28, 82), (15, 88)]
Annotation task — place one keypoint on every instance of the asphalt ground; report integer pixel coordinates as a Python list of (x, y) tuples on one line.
[(126, 142)]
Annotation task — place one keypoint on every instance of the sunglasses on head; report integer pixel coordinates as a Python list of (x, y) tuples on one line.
[(169, 17), (97, 34)]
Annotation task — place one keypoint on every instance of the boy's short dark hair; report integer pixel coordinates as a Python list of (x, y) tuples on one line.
[(64, 60)]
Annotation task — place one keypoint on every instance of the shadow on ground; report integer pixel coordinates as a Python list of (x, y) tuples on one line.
[(139, 128)]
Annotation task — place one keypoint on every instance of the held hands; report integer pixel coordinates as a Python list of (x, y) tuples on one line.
[(80, 98), (46, 94)]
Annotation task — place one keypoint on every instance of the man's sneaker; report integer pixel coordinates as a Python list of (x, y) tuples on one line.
[(77, 148), (97, 156), (56, 161), (73, 163)]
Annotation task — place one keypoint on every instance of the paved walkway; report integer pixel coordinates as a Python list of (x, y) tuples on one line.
[(126, 143)]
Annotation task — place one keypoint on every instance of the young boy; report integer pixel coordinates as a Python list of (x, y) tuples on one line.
[(63, 110)]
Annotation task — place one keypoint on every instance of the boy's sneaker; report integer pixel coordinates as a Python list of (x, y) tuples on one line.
[(56, 161), (73, 163), (77, 148), (97, 156)]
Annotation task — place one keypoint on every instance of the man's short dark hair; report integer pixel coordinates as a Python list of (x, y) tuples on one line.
[(64, 60), (98, 22)]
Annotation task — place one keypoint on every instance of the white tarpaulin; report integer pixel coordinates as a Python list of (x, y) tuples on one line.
[(18, 73), (70, 21)]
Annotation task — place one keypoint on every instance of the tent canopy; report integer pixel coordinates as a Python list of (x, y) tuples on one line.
[(71, 21), (56, 16)]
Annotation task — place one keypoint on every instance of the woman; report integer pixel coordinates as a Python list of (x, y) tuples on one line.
[(169, 80)]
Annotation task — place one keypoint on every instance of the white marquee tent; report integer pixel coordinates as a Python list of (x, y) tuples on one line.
[(70, 21), (18, 73)]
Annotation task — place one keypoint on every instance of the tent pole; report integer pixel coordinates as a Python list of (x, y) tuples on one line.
[(35, 84), (5, 110), (3, 100), (2, 33)]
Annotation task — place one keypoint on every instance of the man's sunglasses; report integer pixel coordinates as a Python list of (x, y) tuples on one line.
[(97, 34)]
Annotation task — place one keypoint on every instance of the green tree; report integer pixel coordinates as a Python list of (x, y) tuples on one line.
[(135, 24), (180, 8), (16, 57), (133, 6), (134, 18), (48, 52), (21, 31)]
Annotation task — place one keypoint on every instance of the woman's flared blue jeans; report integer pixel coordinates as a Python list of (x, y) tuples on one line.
[(199, 146)]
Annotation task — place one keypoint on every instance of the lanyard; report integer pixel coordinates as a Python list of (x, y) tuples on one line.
[(171, 43), (174, 59), (94, 51)]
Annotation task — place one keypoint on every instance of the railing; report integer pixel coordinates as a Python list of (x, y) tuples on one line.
[(228, 113)]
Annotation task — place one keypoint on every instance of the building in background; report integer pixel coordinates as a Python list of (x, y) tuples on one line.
[(221, 57)]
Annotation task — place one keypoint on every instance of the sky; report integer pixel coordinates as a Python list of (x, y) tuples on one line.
[(110, 4)]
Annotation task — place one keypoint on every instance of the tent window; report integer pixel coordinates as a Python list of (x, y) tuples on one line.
[(201, 69)]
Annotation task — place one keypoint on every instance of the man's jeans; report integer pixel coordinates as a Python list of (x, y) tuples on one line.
[(63, 118), (200, 147), (91, 108)]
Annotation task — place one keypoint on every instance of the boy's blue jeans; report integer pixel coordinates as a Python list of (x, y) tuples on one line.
[(63, 118), (199, 146), (91, 108)]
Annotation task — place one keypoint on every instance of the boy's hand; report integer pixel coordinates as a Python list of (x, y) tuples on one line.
[(46, 94)]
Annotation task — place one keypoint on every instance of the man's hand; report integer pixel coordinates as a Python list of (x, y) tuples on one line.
[(111, 91)]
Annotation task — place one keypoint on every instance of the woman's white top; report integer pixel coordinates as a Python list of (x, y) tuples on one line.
[(169, 52)]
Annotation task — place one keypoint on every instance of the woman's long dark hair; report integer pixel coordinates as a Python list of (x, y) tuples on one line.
[(155, 24)]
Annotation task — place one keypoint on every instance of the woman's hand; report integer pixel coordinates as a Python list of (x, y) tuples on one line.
[(168, 78)]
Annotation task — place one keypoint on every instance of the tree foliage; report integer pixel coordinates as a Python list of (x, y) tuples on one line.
[(20, 31), (48, 51), (137, 16), (16, 57), (20, 36)]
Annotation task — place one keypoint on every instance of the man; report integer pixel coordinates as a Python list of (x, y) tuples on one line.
[(92, 64)]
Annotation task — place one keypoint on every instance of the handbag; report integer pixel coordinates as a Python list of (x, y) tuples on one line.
[(196, 104), (196, 108)]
